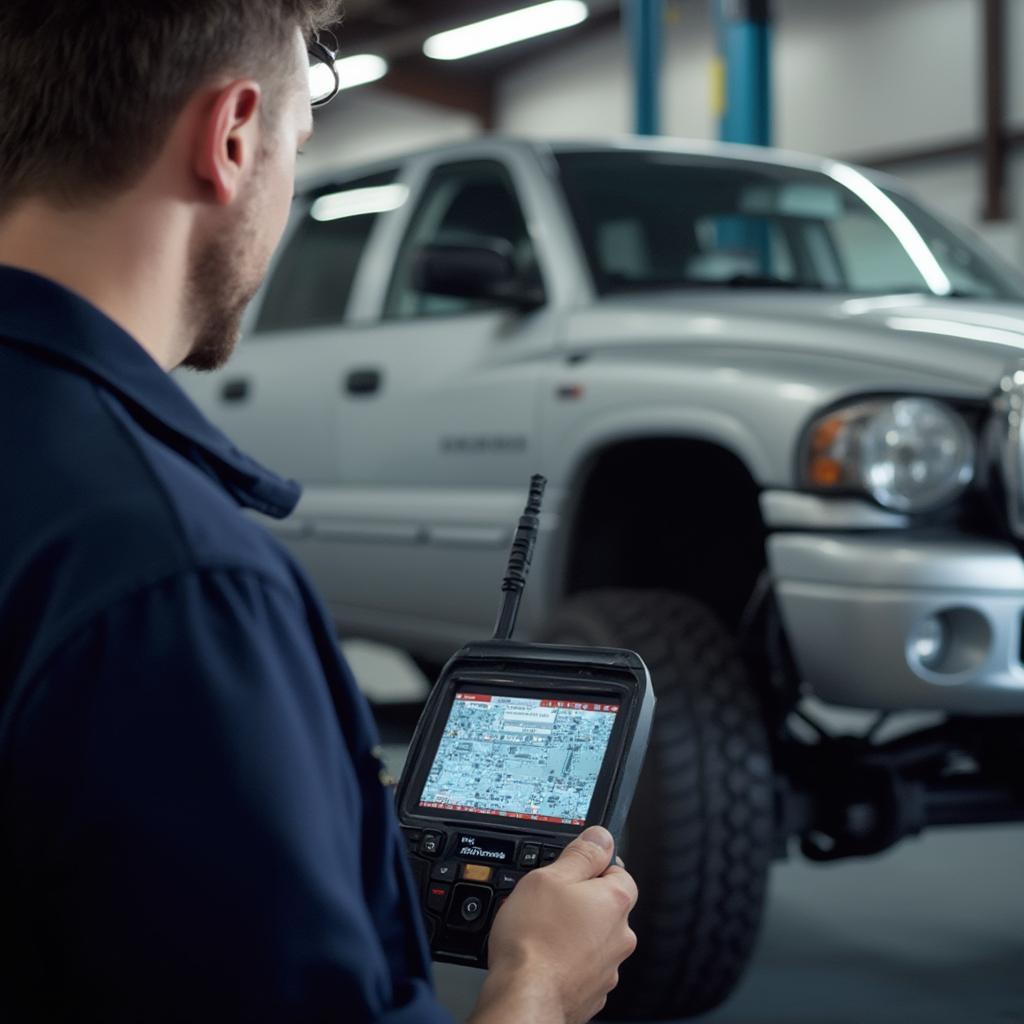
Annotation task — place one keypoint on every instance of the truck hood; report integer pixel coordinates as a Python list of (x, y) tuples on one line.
[(967, 343)]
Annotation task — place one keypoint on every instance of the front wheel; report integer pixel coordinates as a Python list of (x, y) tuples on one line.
[(699, 838)]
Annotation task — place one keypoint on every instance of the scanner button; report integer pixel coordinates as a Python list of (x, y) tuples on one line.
[(471, 909), (446, 871), (505, 879), (549, 854), (477, 872), (530, 856), (437, 897), (468, 907), (431, 843)]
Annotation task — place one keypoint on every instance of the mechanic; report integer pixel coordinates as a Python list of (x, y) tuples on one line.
[(194, 825)]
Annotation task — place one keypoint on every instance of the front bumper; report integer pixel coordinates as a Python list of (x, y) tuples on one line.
[(851, 605)]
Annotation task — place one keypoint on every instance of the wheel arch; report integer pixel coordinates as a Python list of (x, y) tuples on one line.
[(665, 510)]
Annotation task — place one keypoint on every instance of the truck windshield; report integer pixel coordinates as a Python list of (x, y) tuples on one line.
[(664, 220)]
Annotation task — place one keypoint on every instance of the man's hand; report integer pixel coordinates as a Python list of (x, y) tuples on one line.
[(557, 944)]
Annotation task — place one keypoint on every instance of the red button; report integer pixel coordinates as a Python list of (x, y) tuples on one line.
[(437, 897)]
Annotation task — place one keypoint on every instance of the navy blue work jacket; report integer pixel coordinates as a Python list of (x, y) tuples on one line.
[(192, 820)]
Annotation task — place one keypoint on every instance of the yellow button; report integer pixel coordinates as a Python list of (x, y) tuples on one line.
[(477, 872)]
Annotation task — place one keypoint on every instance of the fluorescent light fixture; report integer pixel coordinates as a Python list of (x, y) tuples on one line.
[(352, 71), (359, 202), (898, 223), (506, 29)]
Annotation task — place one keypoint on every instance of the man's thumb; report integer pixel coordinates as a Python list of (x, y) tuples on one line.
[(587, 856)]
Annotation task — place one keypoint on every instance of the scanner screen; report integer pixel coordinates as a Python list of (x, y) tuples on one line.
[(525, 758)]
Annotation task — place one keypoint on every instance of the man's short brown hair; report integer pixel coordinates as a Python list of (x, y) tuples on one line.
[(89, 90)]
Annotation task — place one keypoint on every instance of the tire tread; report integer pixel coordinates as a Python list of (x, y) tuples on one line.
[(704, 805)]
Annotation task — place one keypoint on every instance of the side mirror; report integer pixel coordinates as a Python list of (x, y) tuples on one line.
[(482, 270)]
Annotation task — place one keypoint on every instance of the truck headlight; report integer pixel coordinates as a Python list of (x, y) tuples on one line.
[(909, 454)]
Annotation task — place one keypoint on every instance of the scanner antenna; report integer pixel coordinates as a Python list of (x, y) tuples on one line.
[(519, 561)]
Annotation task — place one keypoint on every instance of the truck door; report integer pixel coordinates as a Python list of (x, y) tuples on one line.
[(437, 427), (278, 397)]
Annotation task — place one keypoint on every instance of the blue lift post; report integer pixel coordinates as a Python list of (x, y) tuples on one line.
[(743, 28), (743, 31), (644, 20)]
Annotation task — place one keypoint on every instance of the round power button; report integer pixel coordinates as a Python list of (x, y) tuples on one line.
[(471, 909)]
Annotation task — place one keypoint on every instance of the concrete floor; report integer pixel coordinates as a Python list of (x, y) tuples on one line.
[(929, 933)]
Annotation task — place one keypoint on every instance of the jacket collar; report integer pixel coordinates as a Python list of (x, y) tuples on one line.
[(40, 315)]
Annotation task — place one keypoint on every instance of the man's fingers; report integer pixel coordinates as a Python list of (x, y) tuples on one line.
[(625, 883), (587, 856)]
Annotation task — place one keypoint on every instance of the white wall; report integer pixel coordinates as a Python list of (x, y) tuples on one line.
[(1015, 40), (370, 123), (586, 87), (876, 74), (582, 89)]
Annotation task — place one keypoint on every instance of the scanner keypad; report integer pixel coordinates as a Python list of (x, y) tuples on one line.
[(463, 878)]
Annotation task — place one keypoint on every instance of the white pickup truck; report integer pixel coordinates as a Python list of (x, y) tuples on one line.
[(779, 405)]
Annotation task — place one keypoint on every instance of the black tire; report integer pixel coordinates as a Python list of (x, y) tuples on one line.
[(699, 840)]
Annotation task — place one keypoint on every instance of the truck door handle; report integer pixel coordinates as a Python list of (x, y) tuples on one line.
[(363, 382), (236, 390)]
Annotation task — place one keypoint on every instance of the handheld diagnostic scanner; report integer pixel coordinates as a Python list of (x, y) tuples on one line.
[(519, 748)]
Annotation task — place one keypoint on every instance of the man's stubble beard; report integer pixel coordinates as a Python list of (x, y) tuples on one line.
[(221, 284)]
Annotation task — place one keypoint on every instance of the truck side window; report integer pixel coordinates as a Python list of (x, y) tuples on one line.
[(464, 204), (312, 282), (870, 261)]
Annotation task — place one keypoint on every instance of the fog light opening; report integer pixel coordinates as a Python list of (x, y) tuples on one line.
[(953, 642)]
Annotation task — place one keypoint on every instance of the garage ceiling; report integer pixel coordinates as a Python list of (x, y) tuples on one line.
[(397, 29)]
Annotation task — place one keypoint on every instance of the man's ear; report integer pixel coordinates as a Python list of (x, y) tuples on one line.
[(228, 139)]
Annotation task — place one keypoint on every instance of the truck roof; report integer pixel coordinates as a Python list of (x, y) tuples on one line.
[(471, 148)]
